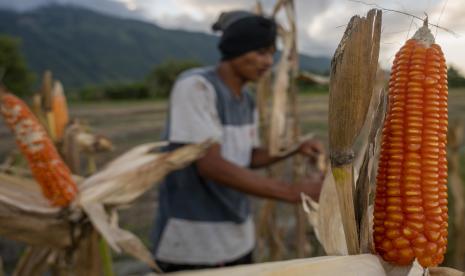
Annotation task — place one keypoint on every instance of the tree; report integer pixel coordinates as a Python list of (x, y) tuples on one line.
[(162, 78), (454, 78), (14, 72)]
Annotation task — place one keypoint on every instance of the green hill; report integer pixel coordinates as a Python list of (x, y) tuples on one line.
[(84, 47)]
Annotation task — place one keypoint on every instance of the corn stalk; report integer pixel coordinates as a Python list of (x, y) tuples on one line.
[(46, 101), (353, 70)]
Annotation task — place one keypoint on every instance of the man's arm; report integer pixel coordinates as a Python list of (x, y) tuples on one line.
[(213, 166), (261, 157)]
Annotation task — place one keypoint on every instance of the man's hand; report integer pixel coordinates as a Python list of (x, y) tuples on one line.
[(311, 148), (310, 186)]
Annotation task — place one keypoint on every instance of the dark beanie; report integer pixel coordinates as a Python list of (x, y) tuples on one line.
[(244, 32)]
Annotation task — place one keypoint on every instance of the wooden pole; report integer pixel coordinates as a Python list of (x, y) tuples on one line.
[(302, 245), (267, 231)]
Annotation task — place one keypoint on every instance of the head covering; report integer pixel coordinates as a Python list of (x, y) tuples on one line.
[(244, 32)]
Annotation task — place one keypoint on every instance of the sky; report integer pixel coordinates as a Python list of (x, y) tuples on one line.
[(320, 23)]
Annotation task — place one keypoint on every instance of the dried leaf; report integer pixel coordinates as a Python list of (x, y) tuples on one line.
[(414, 269), (25, 215), (311, 208), (24, 194), (118, 239), (134, 247), (366, 172), (325, 217)]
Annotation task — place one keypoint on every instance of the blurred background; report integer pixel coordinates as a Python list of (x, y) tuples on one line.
[(117, 60)]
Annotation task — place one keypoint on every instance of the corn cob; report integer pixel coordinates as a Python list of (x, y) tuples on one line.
[(410, 216), (60, 110), (45, 163)]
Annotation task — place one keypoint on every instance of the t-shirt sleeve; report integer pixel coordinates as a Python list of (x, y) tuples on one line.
[(193, 113)]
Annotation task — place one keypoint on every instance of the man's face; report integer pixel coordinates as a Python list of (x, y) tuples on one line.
[(252, 65)]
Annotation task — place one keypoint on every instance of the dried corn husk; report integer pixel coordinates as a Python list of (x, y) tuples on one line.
[(92, 143), (325, 217), (353, 72), (130, 175), (26, 216)]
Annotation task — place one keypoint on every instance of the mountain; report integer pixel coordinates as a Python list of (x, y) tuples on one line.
[(84, 47)]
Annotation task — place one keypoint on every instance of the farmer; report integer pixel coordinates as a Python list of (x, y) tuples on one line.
[(204, 215)]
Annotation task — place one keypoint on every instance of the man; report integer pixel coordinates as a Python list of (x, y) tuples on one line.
[(204, 217)]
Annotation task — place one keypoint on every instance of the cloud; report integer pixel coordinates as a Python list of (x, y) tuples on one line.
[(185, 22), (196, 15), (321, 23)]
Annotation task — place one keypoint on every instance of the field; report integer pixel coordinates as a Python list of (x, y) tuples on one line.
[(131, 123)]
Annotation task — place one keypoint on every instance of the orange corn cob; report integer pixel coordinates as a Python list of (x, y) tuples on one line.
[(60, 110), (46, 165), (410, 216)]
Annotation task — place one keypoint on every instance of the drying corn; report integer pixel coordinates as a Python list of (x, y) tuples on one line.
[(45, 163), (410, 217)]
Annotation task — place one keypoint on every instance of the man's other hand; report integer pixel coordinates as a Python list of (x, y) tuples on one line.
[(311, 186)]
